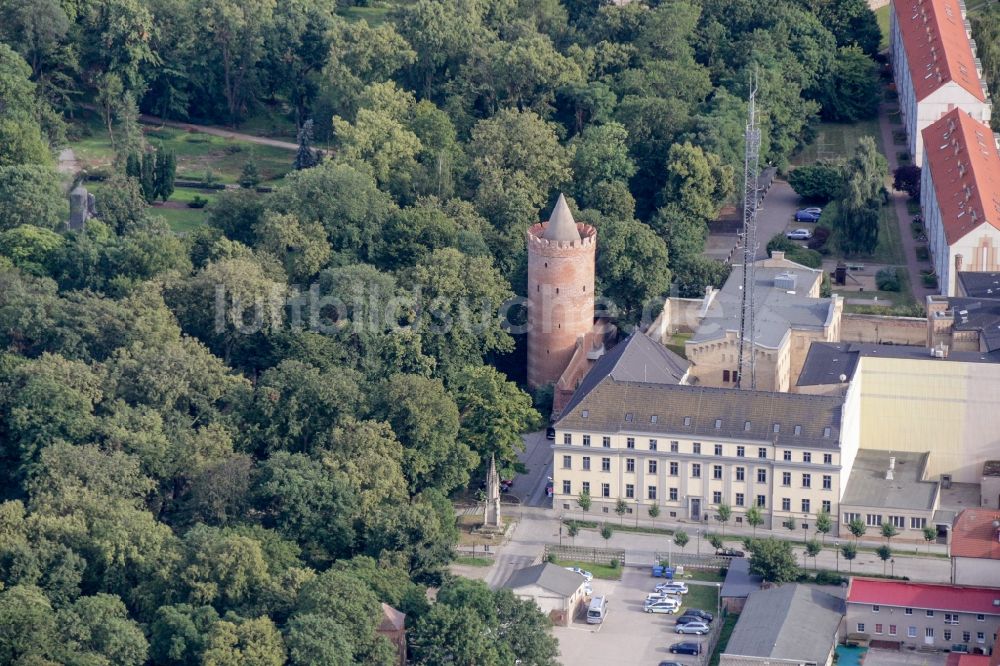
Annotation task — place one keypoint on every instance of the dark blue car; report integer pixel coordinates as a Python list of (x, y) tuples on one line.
[(808, 215), (687, 647)]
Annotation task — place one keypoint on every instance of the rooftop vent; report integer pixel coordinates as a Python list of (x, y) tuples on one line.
[(785, 281)]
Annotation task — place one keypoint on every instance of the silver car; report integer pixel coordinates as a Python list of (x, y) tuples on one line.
[(697, 628)]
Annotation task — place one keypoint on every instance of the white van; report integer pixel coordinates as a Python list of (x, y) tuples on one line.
[(598, 610)]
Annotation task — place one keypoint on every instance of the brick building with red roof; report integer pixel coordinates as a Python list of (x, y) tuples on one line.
[(975, 547), (960, 197), (905, 614), (934, 65)]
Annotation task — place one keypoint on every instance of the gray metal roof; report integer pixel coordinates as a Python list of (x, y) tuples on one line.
[(978, 314), (546, 576), (561, 225), (796, 622), (867, 485), (777, 308), (826, 361), (604, 404), (739, 581)]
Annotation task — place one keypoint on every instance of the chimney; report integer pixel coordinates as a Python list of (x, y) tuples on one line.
[(892, 462), (958, 263)]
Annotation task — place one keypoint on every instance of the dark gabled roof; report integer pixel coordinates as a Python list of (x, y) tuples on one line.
[(739, 581), (794, 622), (977, 284), (546, 576), (826, 362), (978, 314), (693, 411), (637, 358)]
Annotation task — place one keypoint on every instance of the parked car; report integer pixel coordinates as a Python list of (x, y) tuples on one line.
[(730, 552), (586, 574), (550, 433), (686, 618), (667, 606), (673, 587), (704, 615), (697, 628), (808, 214), (799, 234), (669, 663), (687, 647)]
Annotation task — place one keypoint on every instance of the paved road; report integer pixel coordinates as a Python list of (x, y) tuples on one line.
[(776, 214), (529, 488), (67, 161), (217, 131)]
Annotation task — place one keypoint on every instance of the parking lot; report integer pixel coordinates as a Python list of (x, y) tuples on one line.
[(628, 636)]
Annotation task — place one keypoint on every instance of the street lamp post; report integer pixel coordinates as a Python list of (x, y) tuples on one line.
[(892, 562), (718, 602), (699, 543), (836, 546)]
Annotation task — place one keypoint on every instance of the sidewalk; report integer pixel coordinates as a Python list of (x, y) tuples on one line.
[(898, 200)]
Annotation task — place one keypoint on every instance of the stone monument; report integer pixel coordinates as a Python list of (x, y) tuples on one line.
[(491, 515), (81, 207)]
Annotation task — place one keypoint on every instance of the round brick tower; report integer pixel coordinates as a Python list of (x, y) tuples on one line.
[(561, 260)]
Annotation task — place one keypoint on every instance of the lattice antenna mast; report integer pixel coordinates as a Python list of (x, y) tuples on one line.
[(751, 196)]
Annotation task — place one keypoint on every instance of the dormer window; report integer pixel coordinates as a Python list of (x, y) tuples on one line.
[(746, 426), (652, 419), (826, 432), (798, 430), (585, 413), (776, 428), (687, 420), (628, 417), (718, 423)]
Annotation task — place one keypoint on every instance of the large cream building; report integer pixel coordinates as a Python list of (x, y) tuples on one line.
[(632, 432)]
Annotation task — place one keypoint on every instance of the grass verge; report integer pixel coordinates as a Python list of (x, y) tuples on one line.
[(591, 525), (704, 597), (882, 16), (727, 631), (474, 561), (602, 571)]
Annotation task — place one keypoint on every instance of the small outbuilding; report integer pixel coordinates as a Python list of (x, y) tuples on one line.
[(792, 624), (393, 627), (557, 592), (738, 585)]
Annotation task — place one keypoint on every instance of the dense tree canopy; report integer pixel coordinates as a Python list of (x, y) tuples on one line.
[(231, 445)]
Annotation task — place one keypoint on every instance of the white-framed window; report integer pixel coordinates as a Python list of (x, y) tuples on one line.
[(827, 482), (652, 445), (807, 481), (741, 451), (908, 611), (876, 608), (827, 505), (786, 455), (716, 471), (848, 516), (673, 494), (567, 462), (930, 613), (651, 492), (786, 478), (716, 497), (911, 632), (873, 520), (761, 501), (567, 438), (947, 634), (980, 618), (740, 473), (605, 464), (586, 487), (892, 630), (630, 464), (806, 506), (878, 628), (673, 469), (739, 499), (786, 504), (827, 458), (652, 466), (898, 521), (586, 440), (718, 449), (696, 470), (605, 490), (567, 488), (675, 447), (630, 491), (762, 452), (929, 633), (586, 462), (980, 637), (918, 523), (951, 618), (966, 636), (807, 457), (761, 475), (630, 442), (606, 442), (861, 627), (696, 448)]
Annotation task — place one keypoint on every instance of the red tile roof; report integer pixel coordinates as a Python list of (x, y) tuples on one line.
[(974, 535), (961, 659), (937, 47), (965, 168), (925, 596)]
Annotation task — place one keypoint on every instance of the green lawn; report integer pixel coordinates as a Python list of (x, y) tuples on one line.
[(890, 244), (182, 220), (625, 527), (836, 141), (727, 631), (707, 575), (704, 597), (474, 561), (601, 571), (676, 343), (196, 152), (882, 15)]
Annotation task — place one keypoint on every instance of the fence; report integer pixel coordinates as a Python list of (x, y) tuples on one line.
[(583, 554), (693, 560), (712, 639)]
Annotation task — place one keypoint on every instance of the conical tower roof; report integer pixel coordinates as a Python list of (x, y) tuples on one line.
[(561, 226)]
